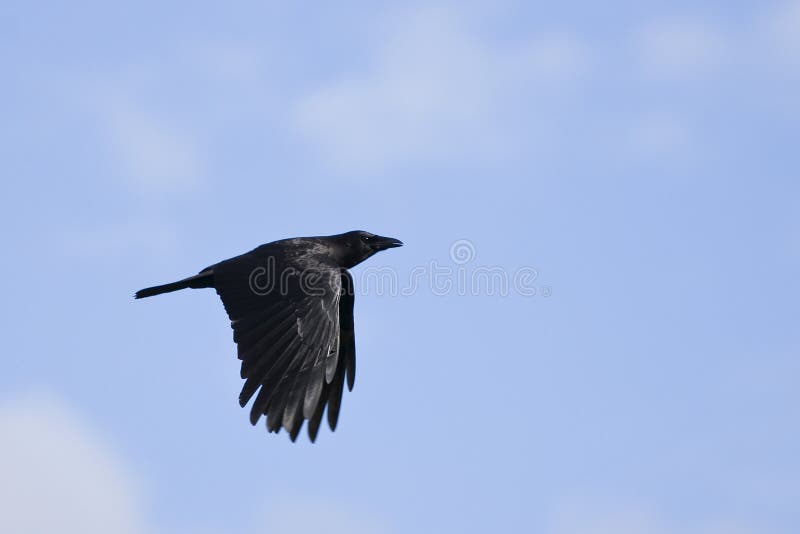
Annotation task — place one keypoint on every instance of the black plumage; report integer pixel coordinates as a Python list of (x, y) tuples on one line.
[(290, 303)]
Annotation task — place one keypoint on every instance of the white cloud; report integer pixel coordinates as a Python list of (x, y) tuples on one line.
[(157, 116), (681, 48), (58, 475), (434, 88)]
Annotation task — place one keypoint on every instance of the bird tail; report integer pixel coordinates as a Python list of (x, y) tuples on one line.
[(203, 279)]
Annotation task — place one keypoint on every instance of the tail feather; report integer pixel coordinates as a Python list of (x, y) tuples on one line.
[(203, 279)]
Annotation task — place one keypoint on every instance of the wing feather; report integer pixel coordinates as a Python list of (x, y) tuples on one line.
[(296, 346), (347, 339)]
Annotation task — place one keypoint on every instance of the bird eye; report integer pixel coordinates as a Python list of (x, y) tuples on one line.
[(366, 238)]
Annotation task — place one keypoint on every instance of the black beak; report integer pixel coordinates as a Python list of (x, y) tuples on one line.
[(379, 243)]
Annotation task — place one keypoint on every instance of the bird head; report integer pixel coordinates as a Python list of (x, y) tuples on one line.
[(354, 247)]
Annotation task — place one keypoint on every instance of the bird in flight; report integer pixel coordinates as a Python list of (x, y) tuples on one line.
[(290, 303)]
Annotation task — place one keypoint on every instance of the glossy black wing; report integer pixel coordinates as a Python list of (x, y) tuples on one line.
[(286, 327)]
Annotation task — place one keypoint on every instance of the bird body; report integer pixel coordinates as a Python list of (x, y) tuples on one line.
[(290, 303)]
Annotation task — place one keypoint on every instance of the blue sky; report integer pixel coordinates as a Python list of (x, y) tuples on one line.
[(642, 157)]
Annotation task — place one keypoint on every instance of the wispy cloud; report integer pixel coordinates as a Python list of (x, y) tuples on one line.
[(681, 48), (59, 475), (435, 87), (686, 47), (781, 30), (438, 86)]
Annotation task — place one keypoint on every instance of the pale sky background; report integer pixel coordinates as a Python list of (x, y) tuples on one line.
[(643, 157)]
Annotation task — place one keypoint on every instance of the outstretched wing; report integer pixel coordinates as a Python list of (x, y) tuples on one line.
[(288, 330)]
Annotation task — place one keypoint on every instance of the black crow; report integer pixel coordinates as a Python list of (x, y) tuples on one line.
[(290, 303)]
